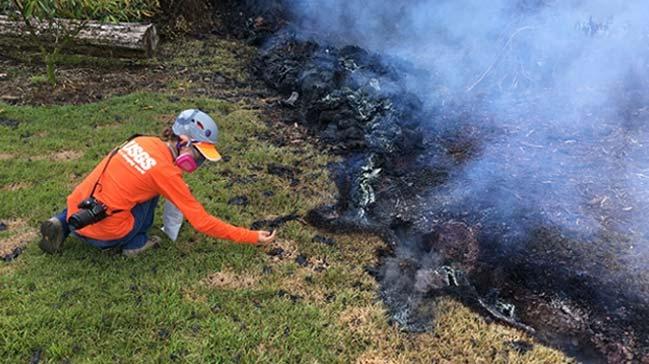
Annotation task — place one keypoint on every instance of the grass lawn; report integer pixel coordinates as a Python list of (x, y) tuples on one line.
[(201, 299)]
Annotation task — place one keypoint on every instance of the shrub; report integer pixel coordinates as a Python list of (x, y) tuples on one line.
[(108, 11), (179, 17), (62, 20)]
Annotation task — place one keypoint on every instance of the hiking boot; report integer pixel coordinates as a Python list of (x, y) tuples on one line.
[(152, 242), (52, 236)]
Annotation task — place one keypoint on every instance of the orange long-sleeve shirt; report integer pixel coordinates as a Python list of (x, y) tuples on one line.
[(143, 169)]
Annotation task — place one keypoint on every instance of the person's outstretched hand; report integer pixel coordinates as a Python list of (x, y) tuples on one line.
[(265, 237)]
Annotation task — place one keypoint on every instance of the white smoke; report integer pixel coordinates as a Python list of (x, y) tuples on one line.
[(563, 82)]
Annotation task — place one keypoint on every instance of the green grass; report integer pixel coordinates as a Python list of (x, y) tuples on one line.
[(86, 305), (207, 57), (89, 304)]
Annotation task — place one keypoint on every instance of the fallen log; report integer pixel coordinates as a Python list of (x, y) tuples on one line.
[(118, 39)]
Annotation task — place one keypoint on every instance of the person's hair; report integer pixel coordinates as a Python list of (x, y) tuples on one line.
[(169, 136)]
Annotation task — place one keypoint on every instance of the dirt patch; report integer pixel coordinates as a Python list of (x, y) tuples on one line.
[(12, 246), (88, 79), (230, 280), (5, 156), (373, 357), (15, 186), (282, 250), (15, 224), (191, 295), (166, 119), (78, 85), (6, 269), (108, 126), (66, 155), (63, 155)]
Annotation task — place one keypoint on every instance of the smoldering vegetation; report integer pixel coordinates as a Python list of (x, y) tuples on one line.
[(500, 150)]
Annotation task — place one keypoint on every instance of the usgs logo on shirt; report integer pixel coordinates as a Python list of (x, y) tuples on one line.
[(137, 157)]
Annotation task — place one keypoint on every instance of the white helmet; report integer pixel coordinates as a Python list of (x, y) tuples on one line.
[(197, 125), (201, 130)]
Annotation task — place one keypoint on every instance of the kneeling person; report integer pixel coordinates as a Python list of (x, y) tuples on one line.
[(114, 206)]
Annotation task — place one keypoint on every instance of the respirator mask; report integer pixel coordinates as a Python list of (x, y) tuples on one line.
[(191, 160)]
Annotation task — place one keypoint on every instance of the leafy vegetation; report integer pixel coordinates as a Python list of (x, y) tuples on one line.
[(101, 10), (61, 20)]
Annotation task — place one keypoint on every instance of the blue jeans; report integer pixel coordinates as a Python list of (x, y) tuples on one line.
[(143, 214)]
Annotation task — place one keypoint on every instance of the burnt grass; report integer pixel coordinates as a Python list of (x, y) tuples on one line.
[(275, 223), (563, 288)]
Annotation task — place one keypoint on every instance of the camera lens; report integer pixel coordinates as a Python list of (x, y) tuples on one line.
[(90, 211), (80, 219)]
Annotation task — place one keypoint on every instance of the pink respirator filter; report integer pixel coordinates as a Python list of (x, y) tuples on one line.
[(186, 162)]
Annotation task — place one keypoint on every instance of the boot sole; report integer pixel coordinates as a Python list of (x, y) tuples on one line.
[(52, 237), (152, 243)]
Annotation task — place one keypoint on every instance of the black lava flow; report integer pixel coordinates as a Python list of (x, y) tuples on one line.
[(392, 182)]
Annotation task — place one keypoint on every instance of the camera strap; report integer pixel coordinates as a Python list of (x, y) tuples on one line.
[(111, 155)]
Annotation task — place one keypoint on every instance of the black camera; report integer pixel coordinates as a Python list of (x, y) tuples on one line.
[(90, 212)]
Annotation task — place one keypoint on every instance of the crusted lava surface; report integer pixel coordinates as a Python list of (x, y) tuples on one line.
[(395, 180)]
